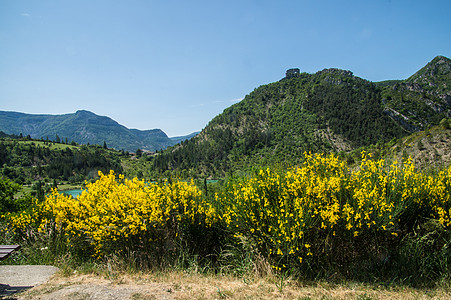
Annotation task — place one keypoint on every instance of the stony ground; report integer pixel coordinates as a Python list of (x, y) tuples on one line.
[(179, 285)]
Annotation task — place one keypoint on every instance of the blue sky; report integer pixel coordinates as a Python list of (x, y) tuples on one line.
[(174, 65)]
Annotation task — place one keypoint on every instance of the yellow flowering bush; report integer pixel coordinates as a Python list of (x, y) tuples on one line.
[(17, 223), (278, 210), (113, 214), (323, 210), (439, 188)]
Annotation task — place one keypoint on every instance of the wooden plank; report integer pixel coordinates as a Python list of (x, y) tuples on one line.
[(14, 247), (4, 255), (6, 250)]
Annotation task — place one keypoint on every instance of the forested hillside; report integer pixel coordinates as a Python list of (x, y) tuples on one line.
[(27, 161), (331, 110)]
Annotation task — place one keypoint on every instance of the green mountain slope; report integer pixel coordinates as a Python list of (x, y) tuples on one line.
[(83, 127), (424, 98), (331, 110)]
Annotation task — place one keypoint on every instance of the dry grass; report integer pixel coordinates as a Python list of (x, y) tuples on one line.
[(180, 285)]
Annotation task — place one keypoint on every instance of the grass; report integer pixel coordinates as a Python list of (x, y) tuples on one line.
[(51, 145), (69, 186), (183, 285), (249, 278), (115, 276)]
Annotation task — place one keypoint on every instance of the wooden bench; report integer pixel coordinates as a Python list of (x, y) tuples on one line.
[(6, 250)]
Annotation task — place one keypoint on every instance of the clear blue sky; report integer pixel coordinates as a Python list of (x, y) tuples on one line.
[(174, 65)]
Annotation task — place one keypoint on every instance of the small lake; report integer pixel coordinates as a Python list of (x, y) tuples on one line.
[(77, 192), (73, 193)]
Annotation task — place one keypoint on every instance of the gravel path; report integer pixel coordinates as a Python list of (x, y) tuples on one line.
[(15, 279)]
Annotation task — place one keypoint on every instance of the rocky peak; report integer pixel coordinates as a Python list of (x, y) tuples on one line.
[(335, 71), (427, 76), (335, 76), (290, 73)]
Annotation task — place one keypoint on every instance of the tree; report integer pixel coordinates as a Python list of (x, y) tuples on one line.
[(8, 202), (39, 191), (7, 191), (445, 123)]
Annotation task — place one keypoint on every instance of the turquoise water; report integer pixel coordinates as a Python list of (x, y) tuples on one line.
[(77, 192), (73, 193)]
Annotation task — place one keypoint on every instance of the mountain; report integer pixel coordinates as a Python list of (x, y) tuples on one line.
[(83, 127), (331, 110), (423, 99), (179, 139)]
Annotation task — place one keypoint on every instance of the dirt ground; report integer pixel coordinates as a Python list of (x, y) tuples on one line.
[(179, 285)]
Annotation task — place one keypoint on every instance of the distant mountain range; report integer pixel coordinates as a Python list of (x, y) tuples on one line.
[(85, 127)]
